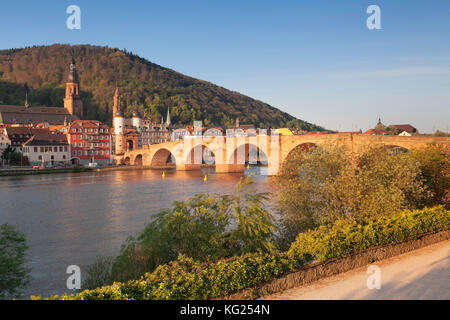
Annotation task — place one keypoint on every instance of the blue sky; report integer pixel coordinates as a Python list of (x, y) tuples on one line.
[(313, 59)]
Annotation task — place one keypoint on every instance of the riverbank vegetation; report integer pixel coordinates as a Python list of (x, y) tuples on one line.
[(329, 204), (14, 275), (187, 278), (325, 184), (204, 228)]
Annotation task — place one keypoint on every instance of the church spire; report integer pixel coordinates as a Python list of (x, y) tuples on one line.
[(116, 107), (73, 75), (27, 105), (168, 121)]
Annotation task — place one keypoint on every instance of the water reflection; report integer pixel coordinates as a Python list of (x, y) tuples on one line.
[(72, 218)]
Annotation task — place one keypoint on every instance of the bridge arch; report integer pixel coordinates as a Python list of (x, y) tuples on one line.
[(200, 154), (248, 153), (126, 161), (163, 157), (138, 160), (297, 150)]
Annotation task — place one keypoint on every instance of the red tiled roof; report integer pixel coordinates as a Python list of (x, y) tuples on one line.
[(47, 139), (375, 131), (404, 127)]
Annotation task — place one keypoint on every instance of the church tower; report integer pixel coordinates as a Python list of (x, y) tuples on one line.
[(72, 100)]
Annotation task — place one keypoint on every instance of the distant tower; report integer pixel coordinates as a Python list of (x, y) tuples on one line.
[(168, 121), (136, 121), (116, 106), (72, 101), (27, 105), (119, 125)]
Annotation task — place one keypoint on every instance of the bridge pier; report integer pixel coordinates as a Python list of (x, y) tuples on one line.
[(188, 167), (225, 168)]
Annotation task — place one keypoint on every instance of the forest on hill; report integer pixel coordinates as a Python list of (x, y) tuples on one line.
[(144, 86)]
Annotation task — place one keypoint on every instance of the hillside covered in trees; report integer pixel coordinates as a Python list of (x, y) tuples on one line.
[(144, 86)]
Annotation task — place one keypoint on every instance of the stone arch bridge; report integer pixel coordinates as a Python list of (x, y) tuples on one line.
[(231, 154)]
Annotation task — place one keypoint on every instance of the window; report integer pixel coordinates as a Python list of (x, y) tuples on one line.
[(60, 149), (65, 148), (40, 157), (35, 149), (64, 157), (55, 149)]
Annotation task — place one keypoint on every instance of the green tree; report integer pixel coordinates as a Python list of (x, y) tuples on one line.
[(325, 184), (204, 227), (14, 275), (11, 156), (434, 163)]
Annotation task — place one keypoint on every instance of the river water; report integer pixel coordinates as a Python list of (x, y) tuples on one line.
[(70, 219)]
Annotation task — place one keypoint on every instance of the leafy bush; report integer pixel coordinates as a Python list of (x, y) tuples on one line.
[(204, 228), (347, 236), (14, 275), (188, 279)]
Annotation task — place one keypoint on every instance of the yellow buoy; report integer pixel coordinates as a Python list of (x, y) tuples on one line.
[(248, 165), (205, 178), (164, 174)]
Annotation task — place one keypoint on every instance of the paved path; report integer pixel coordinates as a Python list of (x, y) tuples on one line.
[(419, 274)]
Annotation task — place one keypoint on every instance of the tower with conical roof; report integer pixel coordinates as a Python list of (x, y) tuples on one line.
[(72, 100)]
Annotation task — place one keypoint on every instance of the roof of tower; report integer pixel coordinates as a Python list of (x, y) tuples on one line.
[(73, 75)]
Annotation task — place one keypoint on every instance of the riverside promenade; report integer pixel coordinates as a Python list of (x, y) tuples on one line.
[(419, 274)]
